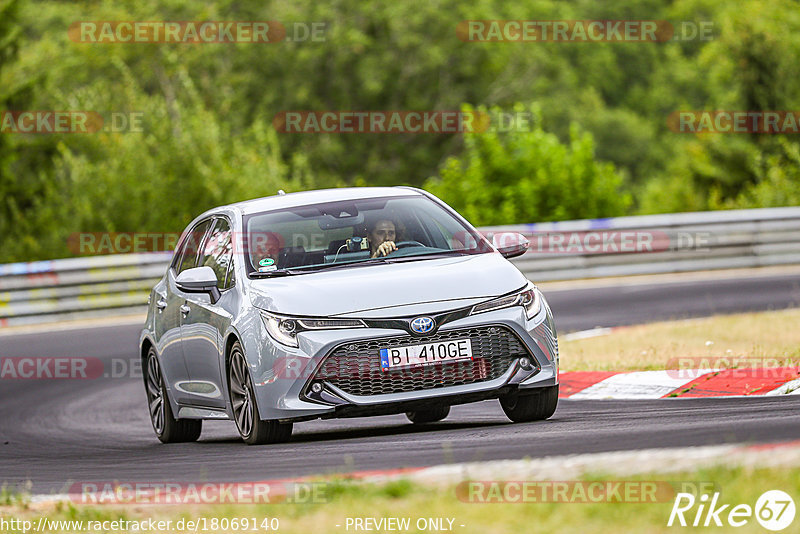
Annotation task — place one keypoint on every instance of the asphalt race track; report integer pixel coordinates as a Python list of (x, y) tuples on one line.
[(58, 432), (582, 309)]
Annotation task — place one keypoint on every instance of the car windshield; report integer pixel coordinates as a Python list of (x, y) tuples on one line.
[(348, 233)]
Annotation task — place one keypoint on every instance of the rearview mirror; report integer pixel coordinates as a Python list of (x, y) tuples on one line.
[(330, 222), (510, 244), (199, 280)]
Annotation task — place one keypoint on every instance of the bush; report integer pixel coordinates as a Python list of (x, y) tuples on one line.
[(529, 176)]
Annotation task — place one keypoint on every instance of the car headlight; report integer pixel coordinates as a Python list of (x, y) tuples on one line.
[(284, 330), (529, 298)]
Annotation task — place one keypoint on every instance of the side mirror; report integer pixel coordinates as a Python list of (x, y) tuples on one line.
[(199, 280), (510, 244)]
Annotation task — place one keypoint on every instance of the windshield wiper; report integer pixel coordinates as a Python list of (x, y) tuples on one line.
[(272, 274), (339, 265), (428, 256), (358, 263)]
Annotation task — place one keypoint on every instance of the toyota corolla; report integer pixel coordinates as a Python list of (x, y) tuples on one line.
[(342, 303)]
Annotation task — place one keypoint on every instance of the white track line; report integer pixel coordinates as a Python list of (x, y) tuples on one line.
[(74, 324), (585, 334), (639, 385), (789, 388)]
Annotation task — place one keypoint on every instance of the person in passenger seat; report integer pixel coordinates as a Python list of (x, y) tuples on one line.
[(265, 246)]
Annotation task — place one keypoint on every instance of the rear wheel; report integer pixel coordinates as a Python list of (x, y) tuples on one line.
[(253, 430), (534, 406), (428, 416), (167, 428)]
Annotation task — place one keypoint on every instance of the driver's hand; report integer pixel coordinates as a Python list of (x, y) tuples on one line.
[(385, 248)]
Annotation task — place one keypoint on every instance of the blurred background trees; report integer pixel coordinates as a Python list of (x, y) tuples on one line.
[(502, 177), (600, 145)]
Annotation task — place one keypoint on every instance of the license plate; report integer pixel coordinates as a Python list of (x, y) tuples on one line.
[(427, 354)]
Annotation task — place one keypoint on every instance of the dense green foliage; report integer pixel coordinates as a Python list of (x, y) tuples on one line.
[(506, 177), (601, 146)]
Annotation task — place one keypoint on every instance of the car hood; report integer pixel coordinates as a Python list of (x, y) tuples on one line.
[(388, 290)]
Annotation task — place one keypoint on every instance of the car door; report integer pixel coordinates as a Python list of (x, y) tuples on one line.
[(167, 308), (204, 324)]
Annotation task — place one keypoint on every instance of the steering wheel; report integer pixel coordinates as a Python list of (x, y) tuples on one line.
[(405, 244)]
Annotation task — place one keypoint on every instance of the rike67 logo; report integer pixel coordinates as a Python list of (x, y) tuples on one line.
[(774, 510)]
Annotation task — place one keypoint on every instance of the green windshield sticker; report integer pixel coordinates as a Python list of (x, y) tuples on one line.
[(266, 262)]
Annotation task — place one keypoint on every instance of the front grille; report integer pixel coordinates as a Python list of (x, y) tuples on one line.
[(355, 368)]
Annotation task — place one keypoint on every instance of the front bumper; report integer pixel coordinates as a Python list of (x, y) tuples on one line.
[(282, 375)]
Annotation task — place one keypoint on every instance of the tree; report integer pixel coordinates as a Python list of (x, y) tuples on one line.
[(529, 176)]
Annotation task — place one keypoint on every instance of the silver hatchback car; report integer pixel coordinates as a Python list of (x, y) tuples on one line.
[(342, 303)]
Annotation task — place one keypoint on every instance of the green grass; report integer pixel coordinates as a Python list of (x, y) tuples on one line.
[(407, 499), (763, 339), (14, 496)]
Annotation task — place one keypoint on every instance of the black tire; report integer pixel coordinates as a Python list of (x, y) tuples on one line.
[(251, 428), (167, 428), (428, 416), (534, 406)]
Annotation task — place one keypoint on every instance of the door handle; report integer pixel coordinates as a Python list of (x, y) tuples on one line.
[(185, 309), (161, 304)]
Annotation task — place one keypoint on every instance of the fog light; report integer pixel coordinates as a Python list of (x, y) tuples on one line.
[(316, 387), (525, 363)]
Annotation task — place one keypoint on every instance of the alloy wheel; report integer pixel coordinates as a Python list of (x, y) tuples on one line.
[(155, 393), (241, 394)]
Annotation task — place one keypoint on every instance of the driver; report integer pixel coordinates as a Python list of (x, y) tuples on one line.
[(382, 235)]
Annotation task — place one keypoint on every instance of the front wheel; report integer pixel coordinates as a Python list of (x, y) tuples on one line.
[(167, 428), (252, 429), (522, 407)]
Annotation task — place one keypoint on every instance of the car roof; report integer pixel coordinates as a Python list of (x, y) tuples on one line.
[(304, 198)]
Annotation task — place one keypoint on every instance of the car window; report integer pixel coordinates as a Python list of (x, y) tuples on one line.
[(190, 246), (230, 281), (352, 231), (217, 251)]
